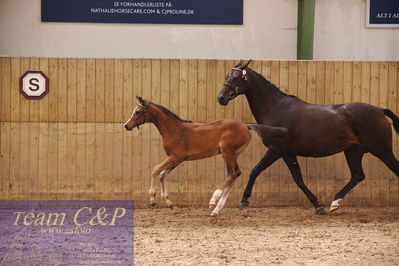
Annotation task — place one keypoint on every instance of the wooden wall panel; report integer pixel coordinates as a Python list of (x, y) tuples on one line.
[(393, 104), (174, 70), (356, 97), (25, 103), (374, 167), (145, 133), (365, 97), (265, 179), (136, 158), (210, 116), (71, 144), (293, 90), (321, 174), (129, 165), (329, 99), (302, 94), (202, 110), (192, 177), (34, 105), (384, 172)]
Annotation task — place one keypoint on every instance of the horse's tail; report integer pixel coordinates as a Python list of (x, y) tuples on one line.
[(264, 131), (395, 119)]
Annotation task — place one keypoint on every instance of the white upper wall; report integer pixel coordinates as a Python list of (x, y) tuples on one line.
[(269, 32), (341, 33)]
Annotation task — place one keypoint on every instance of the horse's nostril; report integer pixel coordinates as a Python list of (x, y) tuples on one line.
[(220, 98)]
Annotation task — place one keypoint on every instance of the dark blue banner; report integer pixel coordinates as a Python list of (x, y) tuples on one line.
[(383, 12), (144, 11)]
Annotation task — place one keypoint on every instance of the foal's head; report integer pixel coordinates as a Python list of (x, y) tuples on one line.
[(234, 84), (139, 116)]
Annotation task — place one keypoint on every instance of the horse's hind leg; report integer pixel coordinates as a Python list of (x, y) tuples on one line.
[(389, 160), (354, 156)]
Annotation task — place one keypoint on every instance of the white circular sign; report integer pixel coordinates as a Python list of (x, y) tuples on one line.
[(34, 84)]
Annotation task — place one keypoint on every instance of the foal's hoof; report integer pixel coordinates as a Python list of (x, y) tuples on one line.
[(333, 208), (335, 205), (153, 204), (214, 214), (244, 204), (169, 204), (212, 205), (320, 210)]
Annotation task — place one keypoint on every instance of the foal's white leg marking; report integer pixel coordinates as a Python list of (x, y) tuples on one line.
[(222, 201), (152, 187), (335, 205), (161, 177), (215, 197), (164, 193)]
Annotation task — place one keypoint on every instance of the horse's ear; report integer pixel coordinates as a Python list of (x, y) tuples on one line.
[(140, 99), (246, 65), (239, 64)]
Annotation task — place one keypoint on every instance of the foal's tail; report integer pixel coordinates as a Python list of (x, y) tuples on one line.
[(395, 119)]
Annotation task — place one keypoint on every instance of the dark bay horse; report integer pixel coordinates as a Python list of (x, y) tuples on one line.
[(314, 130), (184, 140)]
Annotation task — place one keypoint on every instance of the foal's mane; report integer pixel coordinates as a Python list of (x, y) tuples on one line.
[(168, 112)]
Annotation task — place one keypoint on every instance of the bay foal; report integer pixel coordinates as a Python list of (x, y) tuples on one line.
[(185, 140)]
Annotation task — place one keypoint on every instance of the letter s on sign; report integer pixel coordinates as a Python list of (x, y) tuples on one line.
[(34, 84)]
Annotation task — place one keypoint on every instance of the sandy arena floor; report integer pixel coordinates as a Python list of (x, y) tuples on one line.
[(264, 236)]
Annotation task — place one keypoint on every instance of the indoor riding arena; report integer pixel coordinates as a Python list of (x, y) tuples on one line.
[(76, 181)]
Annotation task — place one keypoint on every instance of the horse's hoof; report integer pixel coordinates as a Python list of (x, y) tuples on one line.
[(171, 206), (320, 210), (214, 214), (212, 205), (153, 204), (244, 204)]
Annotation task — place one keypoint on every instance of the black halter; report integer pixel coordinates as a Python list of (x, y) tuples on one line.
[(235, 89)]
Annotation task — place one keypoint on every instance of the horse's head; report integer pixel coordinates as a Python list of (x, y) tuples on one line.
[(139, 115), (234, 84)]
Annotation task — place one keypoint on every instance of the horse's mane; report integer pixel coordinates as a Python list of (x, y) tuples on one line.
[(168, 112), (269, 83)]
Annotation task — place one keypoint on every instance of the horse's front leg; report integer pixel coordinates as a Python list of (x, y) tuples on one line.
[(164, 192), (268, 159), (155, 172), (158, 171), (295, 170)]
